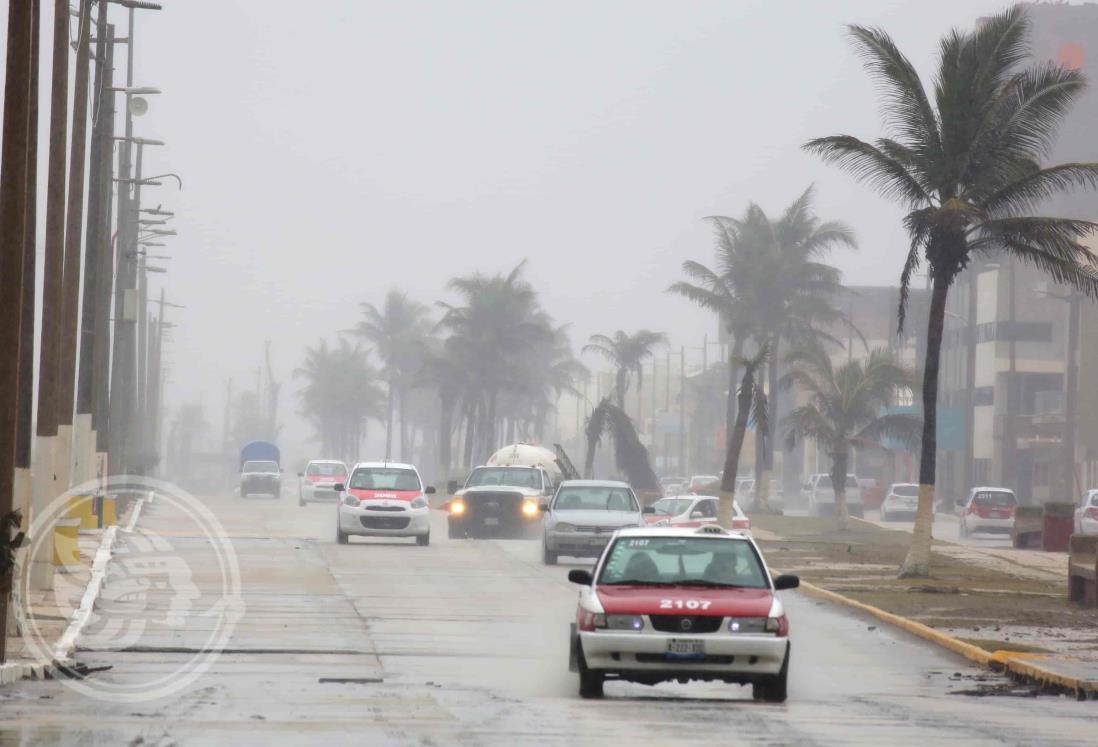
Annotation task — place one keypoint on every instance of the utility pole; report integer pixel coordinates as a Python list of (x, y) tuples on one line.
[(13, 215), (24, 435), (98, 225), (45, 485), (968, 469), (1010, 444), (1071, 385), (69, 441)]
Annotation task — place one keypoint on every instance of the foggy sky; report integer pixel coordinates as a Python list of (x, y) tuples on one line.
[(333, 149)]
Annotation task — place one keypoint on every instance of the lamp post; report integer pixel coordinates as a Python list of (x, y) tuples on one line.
[(1066, 480)]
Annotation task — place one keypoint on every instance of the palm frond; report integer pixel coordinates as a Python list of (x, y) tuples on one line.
[(869, 165)]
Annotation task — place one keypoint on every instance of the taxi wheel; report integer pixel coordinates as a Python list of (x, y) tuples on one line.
[(423, 539), (590, 682), (548, 556), (341, 536), (774, 689)]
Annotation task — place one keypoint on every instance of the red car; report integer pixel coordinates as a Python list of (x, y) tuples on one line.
[(681, 604), (692, 511)]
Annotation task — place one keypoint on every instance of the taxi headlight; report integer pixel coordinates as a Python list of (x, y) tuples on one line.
[(624, 622), (457, 507), (350, 500), (419, 502), (564, 526)]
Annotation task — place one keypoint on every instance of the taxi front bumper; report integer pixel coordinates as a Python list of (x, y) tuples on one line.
[(738, 657), (367, 520)]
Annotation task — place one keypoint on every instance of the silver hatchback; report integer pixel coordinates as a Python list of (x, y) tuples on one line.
[(584, 514)]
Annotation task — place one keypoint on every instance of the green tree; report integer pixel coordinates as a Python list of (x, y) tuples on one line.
[(846, 408), (398, 331), (967, 168), (626, 353), (340, 393), (751, 406)]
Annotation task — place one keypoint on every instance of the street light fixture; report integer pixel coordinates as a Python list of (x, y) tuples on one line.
[(136, 90)]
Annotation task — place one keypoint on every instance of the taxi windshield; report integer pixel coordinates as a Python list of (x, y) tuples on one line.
[(326, 470), (514, 477), (683, 561), (377, 478), (671, 506)]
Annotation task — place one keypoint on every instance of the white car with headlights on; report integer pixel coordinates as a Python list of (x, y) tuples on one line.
[(681, 604), (383, 499)]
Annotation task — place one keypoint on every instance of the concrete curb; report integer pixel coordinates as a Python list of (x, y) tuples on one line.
[(1019, 665), (66, 644)]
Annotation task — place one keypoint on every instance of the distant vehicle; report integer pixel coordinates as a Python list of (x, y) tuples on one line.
[(703, 484), (819, 495), (260, 469), (745, 493), (584, 513), (672, 485), (900, 502), (502, 501), (383, 499), (1086, 514), (681, 604), (318, 480), (692, 511), (988, 510)]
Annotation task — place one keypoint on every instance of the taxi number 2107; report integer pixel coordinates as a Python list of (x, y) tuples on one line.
[(684, 604)]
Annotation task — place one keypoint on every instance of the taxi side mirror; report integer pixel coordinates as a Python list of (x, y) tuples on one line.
[(300, 474), (338, 487), (581, 577), (786, 581), (544, 507), (429, 490)]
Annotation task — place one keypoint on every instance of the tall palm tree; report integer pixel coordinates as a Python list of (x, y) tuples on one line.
[(341, 393), (751, 406), (846, 407), (627, 353), (498, 323), (398, 331), (967, 167)]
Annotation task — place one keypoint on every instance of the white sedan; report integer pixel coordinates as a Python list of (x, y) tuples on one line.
[(1086, 514), (692, 511), (318, 481), (384, 499)]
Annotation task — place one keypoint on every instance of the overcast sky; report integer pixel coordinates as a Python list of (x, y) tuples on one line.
[(333, 149)]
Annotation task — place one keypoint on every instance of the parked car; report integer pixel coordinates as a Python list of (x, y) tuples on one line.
[(988, 509), (819, 495), (703, 484), (667, 604), (1086, 513), (900, 502), (693, 511), (583, 515)]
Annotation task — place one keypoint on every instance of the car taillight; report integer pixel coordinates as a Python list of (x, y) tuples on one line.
[(741, 523), (1092, 513), (984, 512)]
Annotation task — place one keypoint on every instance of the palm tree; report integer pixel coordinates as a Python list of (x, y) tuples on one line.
[(340, 394), (630, 454), (496, 327), (751, 405), (398, 331), (627, 354), (846, 407), (967, 169)]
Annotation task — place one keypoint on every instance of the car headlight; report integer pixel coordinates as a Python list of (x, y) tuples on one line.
[(564, 526), (530, 508), (350, 500), (419, 502), (457, 507), (624, 622)]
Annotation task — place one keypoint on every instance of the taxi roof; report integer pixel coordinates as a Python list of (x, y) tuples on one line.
[(705, 531)]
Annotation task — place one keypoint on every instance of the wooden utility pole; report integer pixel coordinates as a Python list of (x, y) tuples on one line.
[(13, 215), (101, 357)]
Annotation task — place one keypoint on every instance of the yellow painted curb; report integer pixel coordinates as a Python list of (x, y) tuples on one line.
[(1017, 663)]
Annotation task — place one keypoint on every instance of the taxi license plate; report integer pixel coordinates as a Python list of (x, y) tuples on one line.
[(491, 521), (684, 648)]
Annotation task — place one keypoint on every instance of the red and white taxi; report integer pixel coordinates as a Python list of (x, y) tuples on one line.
[(383, 499), (681, 604), (688, 511), (987, 510), (319, 479)]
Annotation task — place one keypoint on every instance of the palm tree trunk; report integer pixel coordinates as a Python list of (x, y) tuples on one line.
[(762, 485), (470, 431), (621, 382), (389, 423), (917, 562), (735, 446), (838, 485), (490, 424), (445, 442), (733, 380), (402, 392)]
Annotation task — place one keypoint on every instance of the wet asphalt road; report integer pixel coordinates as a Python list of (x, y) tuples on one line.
[(465, 642)]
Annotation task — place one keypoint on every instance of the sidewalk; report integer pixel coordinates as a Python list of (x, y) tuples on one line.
[(999, 606), (57, 615)]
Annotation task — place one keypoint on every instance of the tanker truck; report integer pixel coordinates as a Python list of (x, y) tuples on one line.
[(504, 497)]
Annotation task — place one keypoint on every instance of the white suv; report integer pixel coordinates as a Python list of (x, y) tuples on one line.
[(819, 495), (901, 502)]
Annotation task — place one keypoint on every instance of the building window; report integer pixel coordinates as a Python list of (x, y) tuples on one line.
[(981, 470), (1016, 331), (983, 396)]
